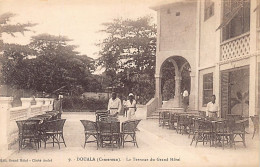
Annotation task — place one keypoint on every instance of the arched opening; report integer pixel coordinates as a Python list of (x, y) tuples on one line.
[(175, 78)]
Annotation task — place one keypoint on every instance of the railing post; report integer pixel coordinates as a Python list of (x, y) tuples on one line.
[(5, 105), (40, 103), (26, 102)]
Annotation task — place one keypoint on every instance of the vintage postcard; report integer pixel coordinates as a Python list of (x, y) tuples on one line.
[(129, 83)]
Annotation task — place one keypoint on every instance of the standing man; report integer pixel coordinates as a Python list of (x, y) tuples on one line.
[(114, 105), (185, 99), (131, 107), (212, 107)]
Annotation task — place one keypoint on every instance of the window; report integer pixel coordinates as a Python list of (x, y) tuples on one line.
[(239, 11), (208, 9), (207, 88)]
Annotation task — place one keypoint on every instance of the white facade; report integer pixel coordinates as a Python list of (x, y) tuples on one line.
[(189, 29)]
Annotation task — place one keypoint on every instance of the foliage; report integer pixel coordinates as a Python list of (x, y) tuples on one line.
[(168, 89), (128, 54), (77, 103), (11, 29), (51, 58)]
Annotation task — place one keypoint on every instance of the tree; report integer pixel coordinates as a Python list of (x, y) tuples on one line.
[(15, 51), (128, 54), (53, 64)]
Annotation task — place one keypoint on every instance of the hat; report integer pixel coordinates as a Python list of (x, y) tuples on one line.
[(131, 94)]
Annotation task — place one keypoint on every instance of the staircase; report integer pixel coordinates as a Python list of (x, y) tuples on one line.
[(155, 115)]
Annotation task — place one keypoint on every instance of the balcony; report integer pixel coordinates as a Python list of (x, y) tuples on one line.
[(235, 48)]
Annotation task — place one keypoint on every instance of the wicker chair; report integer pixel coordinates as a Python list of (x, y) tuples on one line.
[(202, 131), (90, 129), (173, 121), (54, 130), (129, 132), (223, 133), (101, 115), (202, 113), (239, 130), (182, 124), (165, 118), (255, 120), (28, 133), (109, 133)]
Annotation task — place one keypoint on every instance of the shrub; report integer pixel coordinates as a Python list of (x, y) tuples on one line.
[(77, 103)]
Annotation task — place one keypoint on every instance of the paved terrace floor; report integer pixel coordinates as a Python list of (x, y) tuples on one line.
[(154, 142)]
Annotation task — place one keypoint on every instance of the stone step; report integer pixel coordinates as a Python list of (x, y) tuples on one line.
[(153, 118)]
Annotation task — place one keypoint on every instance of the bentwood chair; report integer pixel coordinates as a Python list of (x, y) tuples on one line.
[(129, 132), (54, 130), (90, 130), (28, 133), (255, 120)]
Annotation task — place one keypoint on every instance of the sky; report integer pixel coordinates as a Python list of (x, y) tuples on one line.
[(79, 20)]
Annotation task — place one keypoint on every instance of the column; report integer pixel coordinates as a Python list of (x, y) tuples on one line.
[(192, 97), (5, 105), (158, 92), (177, 95), (253, 63)]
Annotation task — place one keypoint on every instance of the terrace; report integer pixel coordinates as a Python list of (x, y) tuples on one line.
[(163, 145)]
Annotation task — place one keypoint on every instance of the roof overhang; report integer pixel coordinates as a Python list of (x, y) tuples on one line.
[(167, 3)]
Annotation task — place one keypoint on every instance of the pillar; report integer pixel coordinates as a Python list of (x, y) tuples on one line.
[(177, 95), (253, 63), (158, 92), (192, 97)]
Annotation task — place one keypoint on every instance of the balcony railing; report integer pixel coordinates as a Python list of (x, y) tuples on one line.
[(235, 48)]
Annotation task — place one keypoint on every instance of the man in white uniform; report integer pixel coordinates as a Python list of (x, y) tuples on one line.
[(131, 107), (185, 99), (114, 105), (212, 108)]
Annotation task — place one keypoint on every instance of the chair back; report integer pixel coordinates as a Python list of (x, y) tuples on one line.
[(166, 115), (129, 126), (89, 126), (30, 128), (20, 125), (101, 115), (108, 127), (55, 125), (183, 119), (240, 126), (115, 127), (220, 126), (255, 120), (206, 125), (235, 117), (202, 113)]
